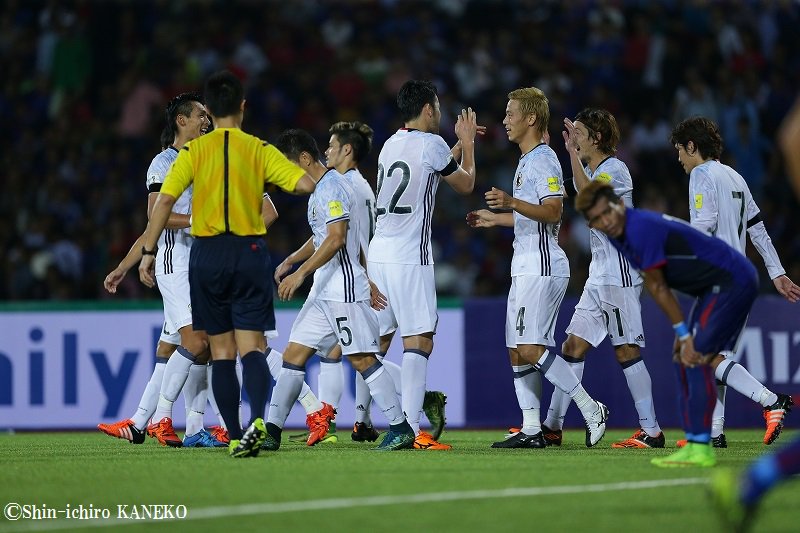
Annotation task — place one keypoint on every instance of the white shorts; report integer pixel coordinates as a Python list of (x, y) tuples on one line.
[(411, 292), (608, 310), (533, 303), (168, 336), (321, 324), (174, 290)]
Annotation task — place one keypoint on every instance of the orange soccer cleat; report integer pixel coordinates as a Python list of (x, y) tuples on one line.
[(164, 433), (123, 429), (220, 433), (425, 441), (774, 415), (318, 423)]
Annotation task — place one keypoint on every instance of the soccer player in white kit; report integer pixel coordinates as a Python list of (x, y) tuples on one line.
[(187, 119), (539, 271), (609, 306), (337, 310), (411, 164), (720, 203)]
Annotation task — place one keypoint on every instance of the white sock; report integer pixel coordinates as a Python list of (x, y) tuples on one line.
[(641, 387), (739, 379), (363, 400), (308, 399), (414, 371), (147, 404), (331, 381), (195, 392), (557, 372), (394, 371), (239, 377), (718, 418), (560, 401), (175, 375), (275, 364), (528, 386), (383, 392), (285, 393)]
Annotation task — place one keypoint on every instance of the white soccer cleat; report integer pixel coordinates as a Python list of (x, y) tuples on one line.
[(596, 425)]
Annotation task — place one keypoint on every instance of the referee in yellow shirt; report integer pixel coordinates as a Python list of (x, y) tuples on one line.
[(229, 271)]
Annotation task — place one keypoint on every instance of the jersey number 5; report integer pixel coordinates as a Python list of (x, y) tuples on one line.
[(405, 178), (345, 335)]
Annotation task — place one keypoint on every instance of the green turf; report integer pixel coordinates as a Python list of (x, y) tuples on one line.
[(56, 469)]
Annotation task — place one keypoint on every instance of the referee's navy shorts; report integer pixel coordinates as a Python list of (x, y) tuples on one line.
[(230, 279), (719, 316)]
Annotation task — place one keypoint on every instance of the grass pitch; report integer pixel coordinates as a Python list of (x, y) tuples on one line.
[(347, 487)]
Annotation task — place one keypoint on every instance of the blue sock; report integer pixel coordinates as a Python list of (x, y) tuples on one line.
[(225, 385), (698, 395), (255, 380)]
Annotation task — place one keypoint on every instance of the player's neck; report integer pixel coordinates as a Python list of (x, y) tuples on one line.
[(530, 142), (179, 141), (594, 160), (418, 124), (345, 167), (316, 170)]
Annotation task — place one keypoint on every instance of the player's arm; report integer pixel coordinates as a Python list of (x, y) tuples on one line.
[(483, 218), (579, 177), (158, 219), (336, 238), (762, 242), (548, 212), (299, 255), (175, 220), (462, 177), (268, 212), (115, 277), (665, 298)]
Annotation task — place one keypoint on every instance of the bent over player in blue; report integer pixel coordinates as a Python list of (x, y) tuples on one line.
[(673, 255)]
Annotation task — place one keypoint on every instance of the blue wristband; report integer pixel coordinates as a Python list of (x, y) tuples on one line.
[(681, 330)]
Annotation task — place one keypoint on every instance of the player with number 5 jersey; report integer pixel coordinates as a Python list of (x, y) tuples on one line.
[(411, 164)]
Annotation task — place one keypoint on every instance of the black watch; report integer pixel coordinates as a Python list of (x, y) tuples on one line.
[(145, 251)]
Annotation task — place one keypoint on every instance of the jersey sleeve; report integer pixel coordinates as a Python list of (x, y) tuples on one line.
[(752, 210), (547, 182), (703, 209), (437, 156), (180, 175), (335, 200), (279, 170), (156, 172)]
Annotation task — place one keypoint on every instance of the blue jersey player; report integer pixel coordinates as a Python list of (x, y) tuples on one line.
[(673, 255)]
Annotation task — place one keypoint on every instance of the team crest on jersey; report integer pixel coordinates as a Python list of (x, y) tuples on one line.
[(552, 184), (603, 177), (518, 182)]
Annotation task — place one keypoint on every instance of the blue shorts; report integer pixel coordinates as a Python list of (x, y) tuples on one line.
[(719, 316), (230, 280)]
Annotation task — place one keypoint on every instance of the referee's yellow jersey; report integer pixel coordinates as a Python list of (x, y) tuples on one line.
[(228, 169)]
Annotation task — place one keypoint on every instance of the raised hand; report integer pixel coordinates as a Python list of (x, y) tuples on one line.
[(568, 134)]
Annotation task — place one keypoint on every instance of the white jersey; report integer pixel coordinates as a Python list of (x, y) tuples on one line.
[(536, 250), (720, 203), (173, 244), (363, 207), (343, 278), (410, 167), (608, 266)]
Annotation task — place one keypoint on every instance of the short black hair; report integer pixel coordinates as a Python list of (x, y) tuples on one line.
[(224, 94), (413, 96), (357, 134), (703, 132), (603, 122), (589, 195), (179, 105), (295, 141)]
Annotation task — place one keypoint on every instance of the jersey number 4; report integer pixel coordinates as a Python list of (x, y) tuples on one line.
[(405, 178)]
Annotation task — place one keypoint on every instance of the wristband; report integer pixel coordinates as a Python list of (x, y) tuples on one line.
[(145, 251), (681, 331)]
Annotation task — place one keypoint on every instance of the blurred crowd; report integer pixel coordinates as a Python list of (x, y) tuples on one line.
[(85, 84)]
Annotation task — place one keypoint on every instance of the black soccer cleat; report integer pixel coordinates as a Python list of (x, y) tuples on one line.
[(552, 437), (364, 433), (521, 440)]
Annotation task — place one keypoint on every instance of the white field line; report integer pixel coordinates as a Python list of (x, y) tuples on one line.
[(209, 513)]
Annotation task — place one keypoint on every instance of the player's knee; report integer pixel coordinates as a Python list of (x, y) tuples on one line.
[(574, 347), (362, 362)]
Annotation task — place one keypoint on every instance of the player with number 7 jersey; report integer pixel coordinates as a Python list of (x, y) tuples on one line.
[(411, 164)]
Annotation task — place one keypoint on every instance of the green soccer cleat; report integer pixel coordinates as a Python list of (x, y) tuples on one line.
[(433, 407), (723, 489), (396, 440), (250, 443), (693, 454)]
